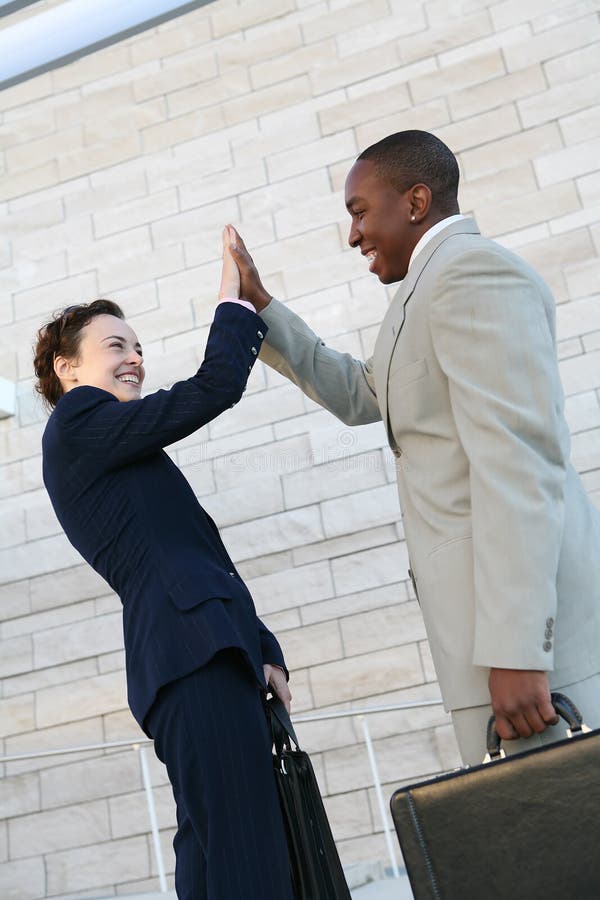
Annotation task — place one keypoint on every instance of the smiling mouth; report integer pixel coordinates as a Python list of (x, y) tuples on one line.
[(371, 255), (128, 378)]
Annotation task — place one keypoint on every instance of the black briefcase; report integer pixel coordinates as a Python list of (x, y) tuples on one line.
[(316, 869), (524, 827)]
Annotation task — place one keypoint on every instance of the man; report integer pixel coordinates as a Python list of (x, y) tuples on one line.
[(503, 542)]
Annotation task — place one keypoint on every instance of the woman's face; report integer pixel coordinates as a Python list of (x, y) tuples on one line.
[(110, 357)]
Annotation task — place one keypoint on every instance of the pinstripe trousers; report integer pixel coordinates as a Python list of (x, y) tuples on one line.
[(210, 730)]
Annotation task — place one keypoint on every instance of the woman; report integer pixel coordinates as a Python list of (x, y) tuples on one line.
[(198, 659)]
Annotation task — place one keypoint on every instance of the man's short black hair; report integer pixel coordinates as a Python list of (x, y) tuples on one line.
[(417, 157)]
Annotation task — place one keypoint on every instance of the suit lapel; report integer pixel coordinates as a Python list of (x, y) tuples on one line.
[(394, 319)]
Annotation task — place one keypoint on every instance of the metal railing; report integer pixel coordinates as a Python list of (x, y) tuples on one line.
[(140, 745)]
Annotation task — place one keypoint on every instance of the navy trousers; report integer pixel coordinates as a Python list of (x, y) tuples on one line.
[(210, 731)]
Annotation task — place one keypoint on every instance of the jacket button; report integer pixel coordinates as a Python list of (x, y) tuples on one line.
[(549, 622), (397, 452), (547, 646), (232, 574), (253, 351), (260, 335)]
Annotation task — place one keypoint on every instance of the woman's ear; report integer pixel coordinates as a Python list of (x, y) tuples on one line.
[(65, 371)]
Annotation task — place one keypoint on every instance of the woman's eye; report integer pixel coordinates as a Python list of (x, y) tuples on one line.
[(116, 344)]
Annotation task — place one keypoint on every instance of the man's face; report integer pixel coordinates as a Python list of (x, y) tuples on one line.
[(381, 222)]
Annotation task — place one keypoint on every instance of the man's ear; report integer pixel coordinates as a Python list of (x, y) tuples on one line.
[(420, 202), (64, 370)]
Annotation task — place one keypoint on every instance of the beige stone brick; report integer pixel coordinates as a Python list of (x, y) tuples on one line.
[(482, 128), (363, 676), (355, 14), (92, 779), (277, 37), (204, 223), (129, 812), (578, 219), (510, 12), (482, 97), (527, 209), (580, 373), (456, 77), (370, 106), (19, 794), (282, 197), (194, 67), (281, 458), (349, 814), (582, 278), (552, 43), (292, 587), (131, 273), (16, 714), (66, 586), (91, 68), (74, 870), (198, 450), (311, 645), (81, 699), (348, 604), (27, 124), (331, 439), (370, 568), (448, 35), (366, 509), (16, 655), (163, 42), (578, 317), (493, 189), (552, 255), (78, 640), (250, 500), (135, 212), (580, 63), (214, 187), (563, 13), (14, 598), (293, 63), (71, 826), (269, 99), (567, 163), (559, 101), (380, 628), (182, 128), (580, 126), (333, 479), (425, 116), (585, 449), (75, 734), (89, 159), (508, 152), (341, 73), (30, 181), (23, 878), (224, 22), (75, 109), (36, 558), (43, 300), (503, 40), (566, 349), (582, 412), (367, 39), (279, 532), (26, 92)]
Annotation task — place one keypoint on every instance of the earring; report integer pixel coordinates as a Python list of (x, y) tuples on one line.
[(413, 218)]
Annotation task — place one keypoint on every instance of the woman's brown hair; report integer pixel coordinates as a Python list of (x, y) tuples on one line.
[(62, 337)]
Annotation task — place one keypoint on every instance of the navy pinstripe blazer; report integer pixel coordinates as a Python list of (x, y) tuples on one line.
[(130, 512)]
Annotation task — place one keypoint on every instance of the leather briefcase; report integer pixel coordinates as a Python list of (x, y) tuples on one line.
[(525, 827)]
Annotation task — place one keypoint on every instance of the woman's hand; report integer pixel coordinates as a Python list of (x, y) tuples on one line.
[(251, 286), (277, 683), (230, 274)]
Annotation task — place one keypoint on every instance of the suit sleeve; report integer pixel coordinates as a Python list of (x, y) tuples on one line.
[(97, 424), (493, 335), (338, 382), (270, 648)]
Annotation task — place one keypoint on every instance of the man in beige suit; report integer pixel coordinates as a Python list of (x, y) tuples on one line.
[(503, 541)]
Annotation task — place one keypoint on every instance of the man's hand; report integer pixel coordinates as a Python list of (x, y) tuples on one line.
[(521, 702), (251, 287), (277, 683)]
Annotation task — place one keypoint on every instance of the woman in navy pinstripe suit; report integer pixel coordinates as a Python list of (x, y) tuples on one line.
[(198, 658)]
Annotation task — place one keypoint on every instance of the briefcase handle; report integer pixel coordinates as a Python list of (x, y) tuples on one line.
[(281, 725), (565, 708)]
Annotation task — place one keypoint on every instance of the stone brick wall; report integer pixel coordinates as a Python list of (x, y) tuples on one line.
[(116, 175)]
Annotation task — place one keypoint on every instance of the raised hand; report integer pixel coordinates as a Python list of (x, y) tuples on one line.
[(230, 276), (251, 287)]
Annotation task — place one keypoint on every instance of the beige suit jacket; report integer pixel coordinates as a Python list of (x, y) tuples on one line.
[(503, 541)]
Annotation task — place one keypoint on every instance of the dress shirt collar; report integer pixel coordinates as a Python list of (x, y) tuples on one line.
[(431, 233)]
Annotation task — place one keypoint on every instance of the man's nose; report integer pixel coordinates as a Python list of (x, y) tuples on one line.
[(354, 236)]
